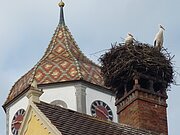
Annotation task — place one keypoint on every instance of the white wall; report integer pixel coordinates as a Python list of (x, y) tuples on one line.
[(92, 95), (20, 104), (66, 94)]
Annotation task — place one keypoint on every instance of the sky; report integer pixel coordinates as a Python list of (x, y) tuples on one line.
[(26, 28)]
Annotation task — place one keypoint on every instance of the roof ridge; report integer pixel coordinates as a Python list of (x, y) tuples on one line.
[(48, 51), (69, 51), (12, 88), (34, 68), (75, 43)]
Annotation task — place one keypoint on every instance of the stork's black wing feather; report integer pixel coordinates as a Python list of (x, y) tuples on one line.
[(155, 43)]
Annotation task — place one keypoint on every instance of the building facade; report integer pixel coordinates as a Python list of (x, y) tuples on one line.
[(70, 80)]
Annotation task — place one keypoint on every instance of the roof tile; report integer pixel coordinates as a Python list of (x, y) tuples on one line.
[(62, 61), (69, 122)]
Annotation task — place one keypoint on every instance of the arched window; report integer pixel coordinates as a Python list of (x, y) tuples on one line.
[(59, 103)]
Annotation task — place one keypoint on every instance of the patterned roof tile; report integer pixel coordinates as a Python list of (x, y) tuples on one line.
[(62, 61)]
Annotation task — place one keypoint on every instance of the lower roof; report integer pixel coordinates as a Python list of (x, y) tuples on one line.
[(69, 122)]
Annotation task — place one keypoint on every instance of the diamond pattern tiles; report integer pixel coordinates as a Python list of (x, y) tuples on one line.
[(62, 61), (59, 65), (21, 85), (66, 62)]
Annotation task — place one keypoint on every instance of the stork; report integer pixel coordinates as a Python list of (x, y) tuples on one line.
[(158, 40), (129, 39)]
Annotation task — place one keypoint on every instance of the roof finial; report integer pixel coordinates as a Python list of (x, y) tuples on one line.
[(61, 4), (61, 21)]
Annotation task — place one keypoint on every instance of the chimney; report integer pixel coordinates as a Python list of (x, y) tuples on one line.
[(143, 105), (139, 74)]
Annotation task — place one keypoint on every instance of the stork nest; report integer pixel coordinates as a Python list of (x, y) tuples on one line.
[(122, 62)]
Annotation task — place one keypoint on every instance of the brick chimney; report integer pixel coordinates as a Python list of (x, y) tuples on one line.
[(143, 104)]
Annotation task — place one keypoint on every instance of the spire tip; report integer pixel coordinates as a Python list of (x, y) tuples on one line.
[(61, 21), (61, 4)]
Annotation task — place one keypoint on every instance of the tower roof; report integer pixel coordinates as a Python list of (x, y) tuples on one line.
[(62, 61)]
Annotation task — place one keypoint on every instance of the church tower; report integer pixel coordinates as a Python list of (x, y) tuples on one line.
[(67, 78)]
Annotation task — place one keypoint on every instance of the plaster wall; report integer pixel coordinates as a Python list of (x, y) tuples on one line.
[(66, 94), (69, 95), (22, 103)]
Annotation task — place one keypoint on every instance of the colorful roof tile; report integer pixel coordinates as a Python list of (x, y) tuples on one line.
[(62, 61)]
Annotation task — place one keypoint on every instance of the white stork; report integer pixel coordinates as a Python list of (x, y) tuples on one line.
[(158, 40), (129, 39)]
